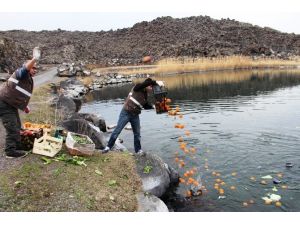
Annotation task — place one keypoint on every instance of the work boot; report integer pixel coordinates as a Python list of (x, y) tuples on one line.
[(15, 154)]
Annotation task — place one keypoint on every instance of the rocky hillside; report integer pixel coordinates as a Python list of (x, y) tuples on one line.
[(162, 37)]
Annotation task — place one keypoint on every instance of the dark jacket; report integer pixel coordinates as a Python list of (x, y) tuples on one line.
[(18, 89), (138, 98)]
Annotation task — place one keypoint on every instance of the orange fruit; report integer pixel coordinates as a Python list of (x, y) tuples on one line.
[(221, 191), (181, 180), (278, 204), (232, 187), (268, 201), (188, 193)]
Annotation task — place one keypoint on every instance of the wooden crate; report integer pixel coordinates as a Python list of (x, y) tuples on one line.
[(47, 145)]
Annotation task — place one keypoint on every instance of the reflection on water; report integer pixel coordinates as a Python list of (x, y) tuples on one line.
[(245, 122)]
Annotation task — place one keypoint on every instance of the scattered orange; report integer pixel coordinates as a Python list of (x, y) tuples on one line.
[(263, 182), (181, 180), (232, 188), (221, 191), (278, 204), (268, 201)]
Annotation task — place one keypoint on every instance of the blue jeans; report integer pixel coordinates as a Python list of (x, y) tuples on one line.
[(124, 118)]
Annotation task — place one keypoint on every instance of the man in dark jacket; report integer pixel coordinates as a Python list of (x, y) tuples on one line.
[(15, 94), (134, 103)]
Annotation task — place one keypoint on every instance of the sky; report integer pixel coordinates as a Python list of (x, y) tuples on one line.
[(92, 15)]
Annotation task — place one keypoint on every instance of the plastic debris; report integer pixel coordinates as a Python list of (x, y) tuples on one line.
[(274, 189), (267, 177), (289, 165), (272, 198), (276, 181), (222, 197)]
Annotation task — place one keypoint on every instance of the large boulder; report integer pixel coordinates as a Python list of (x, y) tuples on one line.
[(156, 175), (82, 126), (97, 121), (150, 203), (66, 106)]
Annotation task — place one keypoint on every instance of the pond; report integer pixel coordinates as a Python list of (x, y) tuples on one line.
[(244, 125)]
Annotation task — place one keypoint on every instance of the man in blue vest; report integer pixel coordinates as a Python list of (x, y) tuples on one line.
[(15, 95)]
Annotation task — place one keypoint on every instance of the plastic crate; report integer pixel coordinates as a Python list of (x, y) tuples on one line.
[(47, 145), (75, 148)]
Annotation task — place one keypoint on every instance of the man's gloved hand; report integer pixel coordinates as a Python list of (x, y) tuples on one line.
[(160, 83), (36, 53), (27, 109)]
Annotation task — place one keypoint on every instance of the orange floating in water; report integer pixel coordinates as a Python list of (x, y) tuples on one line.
[(193, 150), (180, 116), (187, 133), (181, 180), (218, 174), (263, 182), (221, 191), (196, 183), (176, 159), (214, 173), (233, 174), (188, 193), (279, 175), (232, 188), (268, 201), (180, 139), (218, 180), (278, 204), (251, 201)]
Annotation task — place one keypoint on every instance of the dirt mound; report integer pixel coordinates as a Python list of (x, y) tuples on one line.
[(162, 37)]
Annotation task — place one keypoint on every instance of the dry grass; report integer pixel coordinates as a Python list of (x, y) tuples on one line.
[(181, 65), (41, 111), (222, 63), (60, 186)]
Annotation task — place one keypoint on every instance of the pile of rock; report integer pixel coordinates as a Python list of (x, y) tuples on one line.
[(72, 69)]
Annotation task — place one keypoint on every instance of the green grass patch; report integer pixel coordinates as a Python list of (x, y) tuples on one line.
[(102, 185)]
